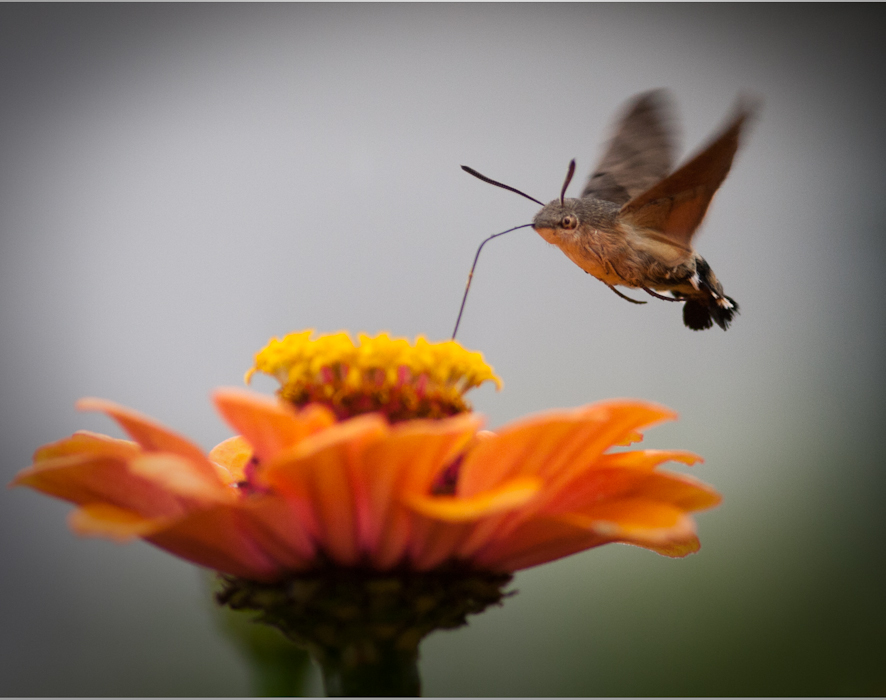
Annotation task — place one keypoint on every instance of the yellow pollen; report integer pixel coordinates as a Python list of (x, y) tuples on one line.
[(401, 379)]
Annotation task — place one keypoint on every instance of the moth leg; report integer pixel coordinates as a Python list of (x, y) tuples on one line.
[(626, 298), (659, 296)]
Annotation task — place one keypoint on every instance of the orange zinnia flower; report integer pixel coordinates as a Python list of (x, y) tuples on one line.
[(363, 507), (303, 486)]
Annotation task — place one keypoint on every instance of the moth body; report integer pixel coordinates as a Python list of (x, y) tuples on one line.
[(634, 222), (589, 233)]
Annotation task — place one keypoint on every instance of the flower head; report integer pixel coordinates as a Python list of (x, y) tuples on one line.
[(298, 487), (382, 374), (363, 507)]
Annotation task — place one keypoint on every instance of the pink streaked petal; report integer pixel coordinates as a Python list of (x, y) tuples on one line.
[(216, 538), (152, 436), (318, 472), (268, 423), (490, 529), (272, 522), (119, 524), (536, 542), (397, 534), (435, 542), (406, 462)]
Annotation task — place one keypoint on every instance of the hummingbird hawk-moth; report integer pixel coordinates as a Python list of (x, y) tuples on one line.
[(633, 224)]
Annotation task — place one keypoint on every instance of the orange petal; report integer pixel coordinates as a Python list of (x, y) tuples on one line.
[(630, 439), (269, 424), (436, 542), (217, 539), (684, 492), (231, 457), (408, 460), (673, 549), (535, 542), (85, 442), (556, 445), (181, 477), (86, 478), (507, 496), (273, 523), (661, 527), (105, 520), (646, 459), (152, 436), (316, 476), (450, 527), (599, 486), (639, 521)]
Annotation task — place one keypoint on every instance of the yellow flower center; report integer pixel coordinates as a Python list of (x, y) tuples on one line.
[(403, 380)]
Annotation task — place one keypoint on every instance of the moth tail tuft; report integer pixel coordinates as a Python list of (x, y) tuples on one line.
[(701, 313)]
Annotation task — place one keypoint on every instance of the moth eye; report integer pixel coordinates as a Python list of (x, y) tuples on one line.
[(568, 222)]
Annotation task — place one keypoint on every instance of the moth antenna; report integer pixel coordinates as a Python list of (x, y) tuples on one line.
[(477, 257), (569, 174), (477, 175)]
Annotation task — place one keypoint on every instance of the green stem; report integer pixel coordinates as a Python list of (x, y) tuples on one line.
[(372, 669), (281, 674)]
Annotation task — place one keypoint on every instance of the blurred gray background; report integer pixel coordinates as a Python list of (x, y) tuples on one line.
[(180, 183)]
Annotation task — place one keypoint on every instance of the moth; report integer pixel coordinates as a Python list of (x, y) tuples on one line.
[(633, 224)]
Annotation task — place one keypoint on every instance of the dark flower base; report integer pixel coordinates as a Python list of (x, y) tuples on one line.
[(364, 626)]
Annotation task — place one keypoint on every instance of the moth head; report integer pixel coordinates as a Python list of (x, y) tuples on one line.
[(557, 218)]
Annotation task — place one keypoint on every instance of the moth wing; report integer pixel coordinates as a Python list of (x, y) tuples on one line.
[(675, 207), (640, 153)]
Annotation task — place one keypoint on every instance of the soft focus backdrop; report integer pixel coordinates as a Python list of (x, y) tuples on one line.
[(180, 183)]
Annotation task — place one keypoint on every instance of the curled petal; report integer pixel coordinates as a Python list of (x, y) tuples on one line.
[(507, 496), (231, 457), (630, 439), (638, 521), (673, 549), (646, 459)]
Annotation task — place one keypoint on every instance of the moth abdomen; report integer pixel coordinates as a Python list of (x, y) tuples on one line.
[(710, 305)]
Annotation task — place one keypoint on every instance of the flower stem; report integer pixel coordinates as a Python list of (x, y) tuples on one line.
[(281, 675), (372, 670)]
